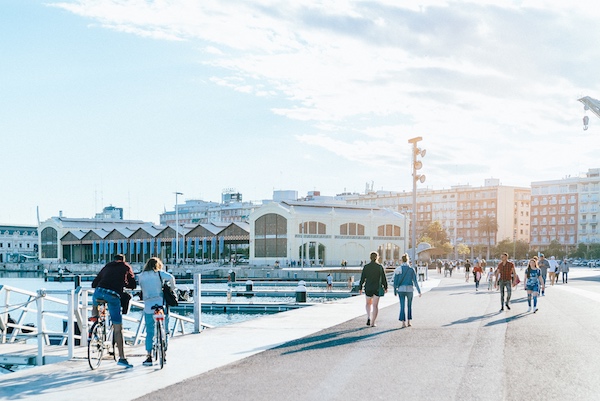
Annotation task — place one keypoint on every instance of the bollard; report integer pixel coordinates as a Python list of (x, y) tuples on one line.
[(249, 285), (77, 281), (301, 291)]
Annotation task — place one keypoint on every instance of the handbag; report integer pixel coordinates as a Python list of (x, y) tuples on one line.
[(381, 286), (516, 280), (169, 296), (125, 305)]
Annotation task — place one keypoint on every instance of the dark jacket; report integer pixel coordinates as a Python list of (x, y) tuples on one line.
[(114, 276)]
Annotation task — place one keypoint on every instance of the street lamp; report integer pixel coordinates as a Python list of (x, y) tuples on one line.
[(416, 165), (177, 227)]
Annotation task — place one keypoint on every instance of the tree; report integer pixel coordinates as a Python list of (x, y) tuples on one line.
[(463, 250), (488, 224), (436, 234), (555, 249)]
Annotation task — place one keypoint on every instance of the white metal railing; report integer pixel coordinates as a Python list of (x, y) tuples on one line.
[(53, 307)]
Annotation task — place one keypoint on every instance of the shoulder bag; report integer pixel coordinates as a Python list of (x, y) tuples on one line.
[(168, 293)]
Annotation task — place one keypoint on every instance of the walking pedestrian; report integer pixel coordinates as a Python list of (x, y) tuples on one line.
[(545, 266), (329, 283), (564, 268), (477, 273), (504, 276), (533, 283), (404, 279), (490, 278), (375, 284), (467, 270)]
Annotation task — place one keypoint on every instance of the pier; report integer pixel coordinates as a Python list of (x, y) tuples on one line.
[(459, 348)]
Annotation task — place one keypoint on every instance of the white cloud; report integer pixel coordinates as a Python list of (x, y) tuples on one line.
[(485, 82)]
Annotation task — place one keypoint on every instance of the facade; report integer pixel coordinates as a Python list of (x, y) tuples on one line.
[(460, 208), (566, 210), (97, 241), (195, 211), (317, 233), (18, 243)]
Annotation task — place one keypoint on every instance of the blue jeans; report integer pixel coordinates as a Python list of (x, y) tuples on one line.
[(508, 285), (149, 319), (409, 297), (113, 300)]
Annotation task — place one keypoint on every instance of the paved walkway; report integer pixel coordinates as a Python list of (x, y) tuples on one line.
[(459, 348), (188, 356)]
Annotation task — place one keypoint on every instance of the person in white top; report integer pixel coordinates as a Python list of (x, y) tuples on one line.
[(151, 282), (553, 269)]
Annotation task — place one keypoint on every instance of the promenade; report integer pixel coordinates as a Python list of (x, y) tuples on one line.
[(459, 348)]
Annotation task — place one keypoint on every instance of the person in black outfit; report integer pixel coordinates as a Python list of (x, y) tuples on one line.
[(108, 286), (375, 284)]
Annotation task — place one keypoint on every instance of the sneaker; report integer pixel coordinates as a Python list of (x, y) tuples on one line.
[(535, 310), (529, 309), (148, 361), (123, 362), (368, 322), (507, 307), (502, 309)]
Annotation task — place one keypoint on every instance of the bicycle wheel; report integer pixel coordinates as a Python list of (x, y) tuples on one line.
[(96, 345), (161, 343)]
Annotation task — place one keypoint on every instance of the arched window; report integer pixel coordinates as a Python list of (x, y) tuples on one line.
[(49, 239), (352, 229), (388, 230), (312, 227), (270, 236)]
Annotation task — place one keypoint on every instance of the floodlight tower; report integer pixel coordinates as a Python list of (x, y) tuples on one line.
[(416, 165)]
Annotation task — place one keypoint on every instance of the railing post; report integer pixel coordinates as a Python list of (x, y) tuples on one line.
[(70, 322), (40, 327), (197, 303)]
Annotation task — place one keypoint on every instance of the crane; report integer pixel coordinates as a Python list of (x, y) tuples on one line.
[(589, 104)]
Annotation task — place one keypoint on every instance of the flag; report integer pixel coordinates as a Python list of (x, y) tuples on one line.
[(189, 246), (173, 245), (158, 246), (197, 246), (118, 246), (152, 246), (93, 247), (213, 245), (221, 245), (145, 246), (112, 247), (204, 245), (124, 246)]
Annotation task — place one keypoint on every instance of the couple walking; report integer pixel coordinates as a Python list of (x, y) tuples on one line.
[(375, 284)]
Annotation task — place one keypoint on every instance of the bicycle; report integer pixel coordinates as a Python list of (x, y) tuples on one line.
[(159, 343), (101, 338)]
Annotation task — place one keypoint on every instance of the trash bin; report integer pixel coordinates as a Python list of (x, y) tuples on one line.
[(249, 285), (232, 276), (301, 292)]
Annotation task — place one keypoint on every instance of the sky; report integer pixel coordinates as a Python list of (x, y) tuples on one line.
[(125, 102)]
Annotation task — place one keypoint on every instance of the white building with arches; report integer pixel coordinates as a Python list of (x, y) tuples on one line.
[(288, 232)]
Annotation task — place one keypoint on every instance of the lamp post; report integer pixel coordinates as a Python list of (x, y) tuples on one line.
[(177, 227), (416, 165)]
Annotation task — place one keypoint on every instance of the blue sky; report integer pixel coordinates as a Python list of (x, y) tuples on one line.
[(125, 102)]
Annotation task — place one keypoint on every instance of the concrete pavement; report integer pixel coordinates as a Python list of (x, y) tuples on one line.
[(459, 348)]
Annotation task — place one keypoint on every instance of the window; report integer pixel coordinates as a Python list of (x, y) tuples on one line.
[(312, 227), (388, 230), (270, 233), (352, 229)]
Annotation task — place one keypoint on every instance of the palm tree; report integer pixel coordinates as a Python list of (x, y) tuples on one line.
[(488, 225)]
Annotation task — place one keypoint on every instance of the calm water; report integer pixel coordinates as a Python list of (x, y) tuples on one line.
[(34, 284)]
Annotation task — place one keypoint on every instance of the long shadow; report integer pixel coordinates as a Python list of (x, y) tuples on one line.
[(506, 319), (593, 278), (39, 384), (329, 340)]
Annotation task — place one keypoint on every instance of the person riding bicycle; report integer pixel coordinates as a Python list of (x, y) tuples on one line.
[(109, 285), (151, 282)]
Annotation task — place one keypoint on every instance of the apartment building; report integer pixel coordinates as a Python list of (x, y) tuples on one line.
[(566, 210), (460, 208)]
